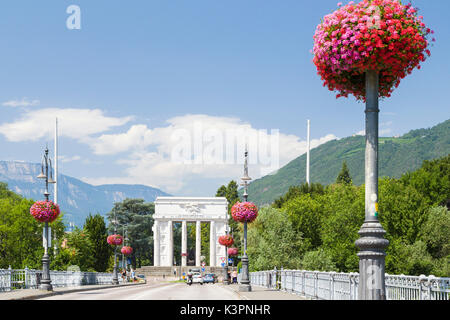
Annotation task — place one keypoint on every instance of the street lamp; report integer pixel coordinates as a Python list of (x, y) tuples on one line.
[(372, 243), (245, 280), (45, 280), (125, 233), (115, 279), (227, 241)]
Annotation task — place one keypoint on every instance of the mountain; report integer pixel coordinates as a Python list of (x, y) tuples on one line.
[(397, 155), (76, 198)]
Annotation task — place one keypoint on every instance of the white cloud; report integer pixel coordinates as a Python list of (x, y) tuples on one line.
[(197, 147), (189, 148), (21, 103), (65, 159), (79, 124)]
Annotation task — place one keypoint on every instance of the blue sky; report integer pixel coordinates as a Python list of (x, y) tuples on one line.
[(138, 70)]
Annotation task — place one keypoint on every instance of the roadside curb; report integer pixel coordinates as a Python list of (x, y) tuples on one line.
[(61, 292)]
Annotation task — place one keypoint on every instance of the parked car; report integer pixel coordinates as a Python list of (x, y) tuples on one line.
[(141, 278), (209, 278), (197, 278)]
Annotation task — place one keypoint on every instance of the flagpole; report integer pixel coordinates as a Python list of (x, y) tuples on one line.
[(56, 162), (307, 152)]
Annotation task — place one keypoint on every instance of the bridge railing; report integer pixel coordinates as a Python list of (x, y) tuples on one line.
[(11, 279), (344, 286)]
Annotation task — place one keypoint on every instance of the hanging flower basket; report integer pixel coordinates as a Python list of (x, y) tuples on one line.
[(226, 240), (45, 211), (379, 35), (233, 251), (126, 250), (115, 239), (244, 211)]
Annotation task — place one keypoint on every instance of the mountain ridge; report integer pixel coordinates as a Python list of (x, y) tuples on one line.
[(76, 198), (397, 155)]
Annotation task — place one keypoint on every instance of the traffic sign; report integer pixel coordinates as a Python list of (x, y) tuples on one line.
[(203, 269), (223, 259), (223, 264)]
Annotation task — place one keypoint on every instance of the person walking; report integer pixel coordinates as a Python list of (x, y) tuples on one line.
[(234, 276)]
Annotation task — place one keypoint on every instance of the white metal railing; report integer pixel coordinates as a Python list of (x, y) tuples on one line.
[(11, 279), (344, 286)]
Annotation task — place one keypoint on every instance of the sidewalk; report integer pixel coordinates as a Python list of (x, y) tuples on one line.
[(31, 294), (261, 293)]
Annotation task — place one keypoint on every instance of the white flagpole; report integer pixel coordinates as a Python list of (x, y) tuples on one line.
[(56, 162), (307, 153)]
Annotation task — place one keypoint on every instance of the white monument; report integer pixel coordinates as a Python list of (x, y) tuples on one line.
[(188, 209)]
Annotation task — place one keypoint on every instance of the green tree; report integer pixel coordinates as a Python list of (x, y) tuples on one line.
[(402, 209), (306, 213), (432, 181), (344, 207), (274, 241), (436, 232), (298, 191), (344, 176), (20, 233), (95, 228), (410, 259), (79, 249), (137, 216), (319, 260)]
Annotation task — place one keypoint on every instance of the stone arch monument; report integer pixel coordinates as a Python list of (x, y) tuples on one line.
[(188, 209)]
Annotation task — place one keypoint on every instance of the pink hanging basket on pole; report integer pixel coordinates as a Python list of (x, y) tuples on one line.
[(244, 211), (126, 250), (115, 239), (45, 211), (226, 240), (233, 251), (377, 35)]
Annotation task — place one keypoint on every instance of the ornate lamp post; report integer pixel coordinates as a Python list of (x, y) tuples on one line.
[(227, 241), (372, 243), (245, 280), (115, 240), (365, 49), (45, 164)]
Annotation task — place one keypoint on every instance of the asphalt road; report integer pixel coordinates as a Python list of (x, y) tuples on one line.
[(154, 291)]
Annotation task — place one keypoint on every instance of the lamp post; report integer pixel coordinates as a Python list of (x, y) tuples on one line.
[(372, 243), (226, 278), (115, 279), (45, 280), (125, 233), (245, 280)]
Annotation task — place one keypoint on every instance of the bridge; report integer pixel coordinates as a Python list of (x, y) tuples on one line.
[(266, 285)]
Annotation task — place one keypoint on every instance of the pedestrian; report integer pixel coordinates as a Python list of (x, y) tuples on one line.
[(124, 275), (234, 276)]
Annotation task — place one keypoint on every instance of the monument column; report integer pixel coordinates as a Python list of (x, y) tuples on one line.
[(170, 244), (212, 244), (198, 242), (156, 258), (183, 242)]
